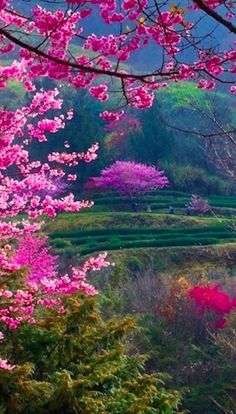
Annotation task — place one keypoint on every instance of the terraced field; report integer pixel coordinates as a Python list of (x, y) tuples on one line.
[(87, 233), (161, 199)]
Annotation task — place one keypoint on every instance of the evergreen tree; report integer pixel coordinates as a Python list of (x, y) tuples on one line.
[(77, 363)]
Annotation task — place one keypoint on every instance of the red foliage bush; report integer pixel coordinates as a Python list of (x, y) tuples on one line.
[(212, 300), (186, 305)]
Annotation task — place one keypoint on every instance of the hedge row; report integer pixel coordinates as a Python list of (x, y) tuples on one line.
[(113, 243), (134, 238), (223, 203), (190, 241), (137, 230), (163, 194), (161, 203)]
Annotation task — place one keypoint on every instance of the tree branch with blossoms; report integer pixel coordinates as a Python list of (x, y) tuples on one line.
[(44, 40), (30, 189)]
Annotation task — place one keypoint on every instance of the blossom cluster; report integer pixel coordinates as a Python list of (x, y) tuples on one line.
[(29, 190), (170, 28), (43, 286)]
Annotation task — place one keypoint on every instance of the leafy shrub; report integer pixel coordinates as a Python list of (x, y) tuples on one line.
[(191, 179)]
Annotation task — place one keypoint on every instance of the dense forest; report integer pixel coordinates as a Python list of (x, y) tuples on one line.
[(154, 136)]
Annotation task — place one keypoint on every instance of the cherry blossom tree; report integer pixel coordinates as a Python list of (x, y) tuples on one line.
[(30, 189), (131, 180), (199, 205)]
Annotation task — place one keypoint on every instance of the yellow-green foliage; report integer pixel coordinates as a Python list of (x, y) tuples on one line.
[(77, 363)]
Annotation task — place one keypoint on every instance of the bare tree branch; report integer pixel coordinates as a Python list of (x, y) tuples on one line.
[(202, 5)]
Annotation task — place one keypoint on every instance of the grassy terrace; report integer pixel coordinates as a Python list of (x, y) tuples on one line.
[(87, 233)]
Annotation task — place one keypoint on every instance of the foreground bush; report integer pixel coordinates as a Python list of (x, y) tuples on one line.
[(76, 363)]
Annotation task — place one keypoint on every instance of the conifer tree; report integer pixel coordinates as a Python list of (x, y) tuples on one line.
[(77, 363)]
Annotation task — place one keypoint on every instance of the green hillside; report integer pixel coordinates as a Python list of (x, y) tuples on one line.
[(110, 230)]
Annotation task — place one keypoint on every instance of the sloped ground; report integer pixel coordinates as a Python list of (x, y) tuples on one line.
[(87, 233)]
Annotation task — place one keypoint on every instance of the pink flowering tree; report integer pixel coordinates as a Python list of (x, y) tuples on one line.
[(199, 205), (30, 190), (131, 180)]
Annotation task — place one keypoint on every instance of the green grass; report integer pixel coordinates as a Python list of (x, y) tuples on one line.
[(87, 233), (67, 222), (190, 241), (178, 260), (160, 203), (91, 240), (138, 231)]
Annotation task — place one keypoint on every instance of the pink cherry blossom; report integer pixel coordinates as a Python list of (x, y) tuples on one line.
[(5, 365), (130, 179)]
